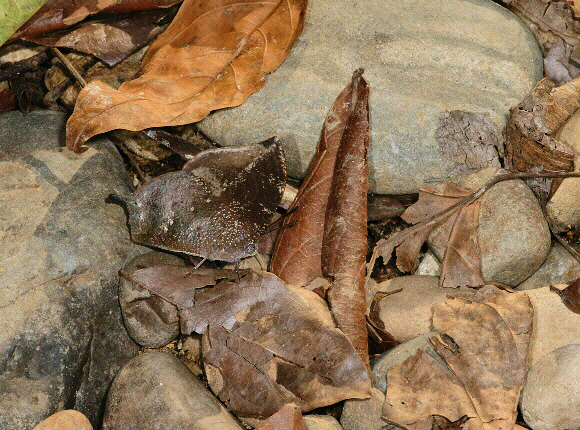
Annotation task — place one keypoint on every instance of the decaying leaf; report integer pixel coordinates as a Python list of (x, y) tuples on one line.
[(442, 423), (532, 127), (287, 418), (297, 258), (57, 15), (344, 244), (456, 233), (112, 39), (570, 295), (216, 207), (469, 140), (275, 350), (484, 342), (213, 55)]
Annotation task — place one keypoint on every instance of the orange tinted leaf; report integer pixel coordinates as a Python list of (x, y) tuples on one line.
[(213, 55), (289, 417)]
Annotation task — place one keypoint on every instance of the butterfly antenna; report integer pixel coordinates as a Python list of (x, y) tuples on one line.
[(280, 227)]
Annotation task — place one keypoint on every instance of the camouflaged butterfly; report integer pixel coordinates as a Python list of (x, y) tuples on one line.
[(216, 207)]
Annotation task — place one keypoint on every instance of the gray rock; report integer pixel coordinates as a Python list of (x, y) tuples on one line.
[(421, 58), (563, 209), (551, 395), (559, 268), (380, 365), (321, 422), (513, 236), (364, 414), (62, 338), (151, 321), (156, 391)]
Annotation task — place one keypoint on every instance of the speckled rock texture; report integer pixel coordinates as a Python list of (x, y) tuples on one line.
[(421, 58), (62, 339)]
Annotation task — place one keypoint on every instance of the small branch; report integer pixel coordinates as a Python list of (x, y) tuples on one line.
[(70, 67), (23, 66), (403, 235), (57, 91)]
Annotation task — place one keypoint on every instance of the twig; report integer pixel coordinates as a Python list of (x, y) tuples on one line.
[(24, 65), (403, 235), (56, 92), (70, 67)]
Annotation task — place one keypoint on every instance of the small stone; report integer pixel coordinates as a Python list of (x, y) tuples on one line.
[(151, 321), (429, 265), (156, 391), (559, 268), (555, 325), (364, 414), (65, 420), (563, 209), (321, 422), (380, 365), (551, 395), (421, 59), (513, 236)]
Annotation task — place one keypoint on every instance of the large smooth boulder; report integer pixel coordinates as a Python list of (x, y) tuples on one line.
[(62, 339), (421, 58)]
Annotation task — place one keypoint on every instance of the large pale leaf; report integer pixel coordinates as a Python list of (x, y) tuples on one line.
[(213, 55), (484, 341)]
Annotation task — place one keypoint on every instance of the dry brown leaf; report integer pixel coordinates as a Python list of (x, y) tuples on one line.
[(287, 418), (57, 15), (532, 127), (213, 55), (469, 141), (297, 256), (574, 6), (344, 244), (456, 233), (276, 351), (484, 342), (112, 39)]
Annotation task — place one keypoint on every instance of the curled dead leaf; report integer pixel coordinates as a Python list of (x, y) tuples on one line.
[(213, 55)]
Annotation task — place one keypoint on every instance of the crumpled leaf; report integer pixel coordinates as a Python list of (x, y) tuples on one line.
[(112, 39), (297, 258), (469, 140), (484, 341), (60, 14), (216, 207), (213, 55), (287, 418), (330, 230), (531, 131), (275, 350), (456, 233)]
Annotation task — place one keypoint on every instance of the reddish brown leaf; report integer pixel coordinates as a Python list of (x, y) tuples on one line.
[(461, 264), (57, 15), (287, 418), (213, 55), (297, 256), (570, 295), (7, 100), (531, 131), (112, 40), (276, 350), (344, 243)]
